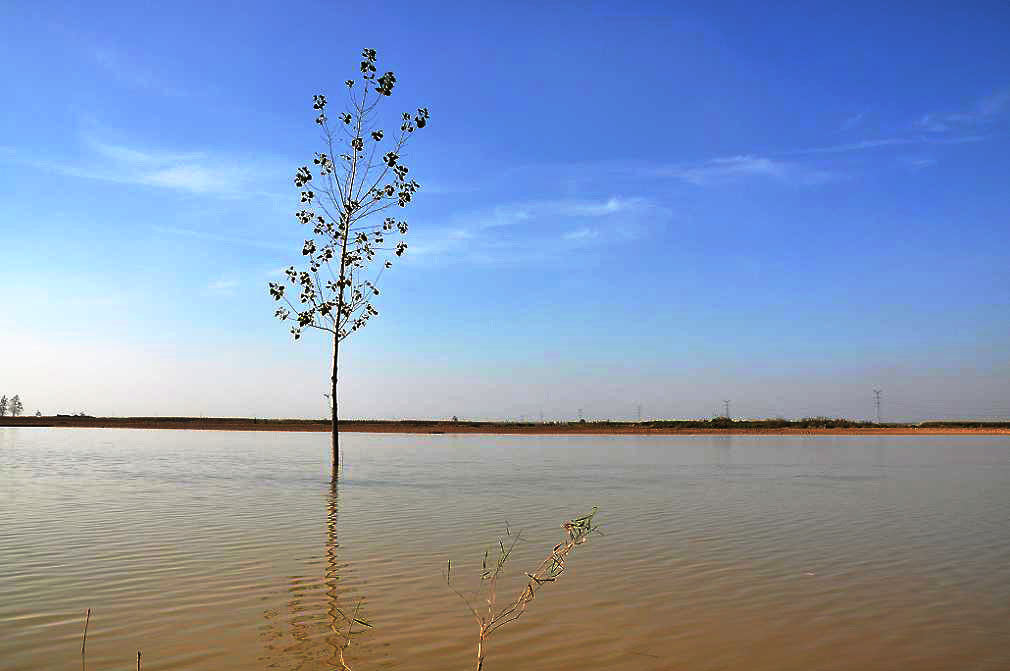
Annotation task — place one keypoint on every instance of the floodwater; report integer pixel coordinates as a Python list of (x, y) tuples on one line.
[(209, 550)]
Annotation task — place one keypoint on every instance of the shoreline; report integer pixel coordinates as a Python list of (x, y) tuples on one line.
[(437, 427)]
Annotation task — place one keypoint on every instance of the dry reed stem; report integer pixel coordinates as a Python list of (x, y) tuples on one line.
[(351, 621), (577, 532), (84, 642)]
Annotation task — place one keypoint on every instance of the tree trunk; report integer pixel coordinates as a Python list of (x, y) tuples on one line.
[(334, 434)]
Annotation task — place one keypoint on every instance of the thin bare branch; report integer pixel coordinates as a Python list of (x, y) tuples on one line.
[(577, 532)]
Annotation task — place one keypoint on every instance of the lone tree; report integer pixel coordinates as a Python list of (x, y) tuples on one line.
[(16, 407), (3, 405), (359, 175)]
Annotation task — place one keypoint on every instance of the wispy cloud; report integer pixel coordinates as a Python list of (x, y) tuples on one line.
[(918, 162), (722, 170), (985, 110), (195, 178), (599, 208), (501, 216), (133, 155), (934, 124), (858, 146), (202, 173), (853, 121), (879, 143), (127, 70), (214, 237), (994, 104), (581, 234), (535, 230), (549, 210), (222, 285)]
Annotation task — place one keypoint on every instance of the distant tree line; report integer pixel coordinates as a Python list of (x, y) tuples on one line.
[(12, 406), (774, 423)]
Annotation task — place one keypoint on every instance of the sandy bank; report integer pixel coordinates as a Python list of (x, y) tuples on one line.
[(446, 427)]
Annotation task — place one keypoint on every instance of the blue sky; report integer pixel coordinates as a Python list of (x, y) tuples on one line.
[(621, 204)]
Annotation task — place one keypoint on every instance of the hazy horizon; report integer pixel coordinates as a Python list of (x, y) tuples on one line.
[(649, 207)]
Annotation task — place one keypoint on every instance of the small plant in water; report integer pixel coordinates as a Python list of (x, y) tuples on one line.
[(494, 617), (346, 635)]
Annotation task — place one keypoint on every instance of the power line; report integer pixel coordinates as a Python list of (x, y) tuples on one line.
[(876, 400)]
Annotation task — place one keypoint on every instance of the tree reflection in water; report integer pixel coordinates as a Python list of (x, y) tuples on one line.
[(312, 631)]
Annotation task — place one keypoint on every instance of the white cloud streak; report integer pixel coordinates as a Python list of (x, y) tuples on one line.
[(199, 173), (126, 70), (223, 285), (879, 143), (853, 121), (599, 208), (522, 232), (917, 162), (859, 146), (549, 210), (983, 111), (994, 104), (214, 237), (723, 170), (581, 234)]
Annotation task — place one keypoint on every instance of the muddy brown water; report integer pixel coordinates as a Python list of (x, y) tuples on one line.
[(234, 550)]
